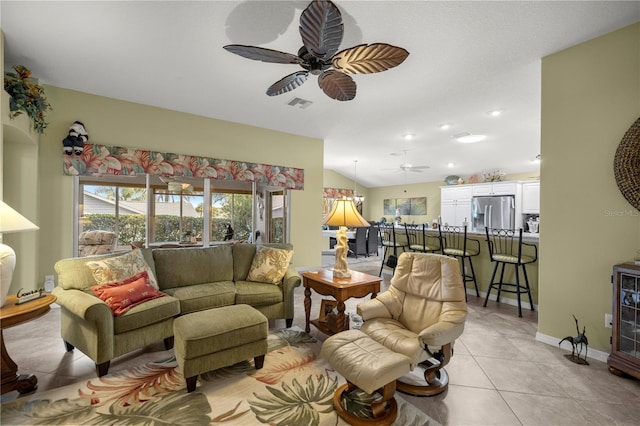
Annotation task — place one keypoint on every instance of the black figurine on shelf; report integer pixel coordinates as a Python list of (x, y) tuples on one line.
[(228, 236)]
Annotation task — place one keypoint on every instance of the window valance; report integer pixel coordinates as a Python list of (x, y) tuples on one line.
[(116, 160), (336, 193)]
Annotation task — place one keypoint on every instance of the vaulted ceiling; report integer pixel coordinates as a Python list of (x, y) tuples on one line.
[(466, 60)]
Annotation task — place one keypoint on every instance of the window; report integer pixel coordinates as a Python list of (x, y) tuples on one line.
[(153, 210)]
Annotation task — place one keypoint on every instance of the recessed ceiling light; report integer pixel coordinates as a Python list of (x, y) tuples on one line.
[(467, 137), (408, 136), (496, 112), (450, 165), (445, 126)]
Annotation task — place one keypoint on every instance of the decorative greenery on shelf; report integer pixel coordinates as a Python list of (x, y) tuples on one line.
[(26, 96)]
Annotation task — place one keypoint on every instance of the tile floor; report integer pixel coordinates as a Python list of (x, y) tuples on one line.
[(499, 374)]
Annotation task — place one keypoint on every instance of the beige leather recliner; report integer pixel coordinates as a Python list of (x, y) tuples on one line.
[(420, 316)]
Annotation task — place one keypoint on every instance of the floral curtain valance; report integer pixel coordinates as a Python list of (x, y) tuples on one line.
[(115, 160), (336, 193)]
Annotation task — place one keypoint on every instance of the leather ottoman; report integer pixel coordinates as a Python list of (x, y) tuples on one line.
[(368, 365)]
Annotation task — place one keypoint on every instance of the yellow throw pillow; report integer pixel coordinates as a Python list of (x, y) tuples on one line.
[(118, 268), (269, 265)]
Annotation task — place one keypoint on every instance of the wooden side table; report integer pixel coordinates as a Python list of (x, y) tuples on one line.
[(323, 282), (10, 315)]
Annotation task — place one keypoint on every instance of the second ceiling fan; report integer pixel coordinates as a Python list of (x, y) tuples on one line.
[(321, 29)]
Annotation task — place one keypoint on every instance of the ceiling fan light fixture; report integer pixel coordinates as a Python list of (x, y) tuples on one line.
[(408, 136), (321, 30), (467, 137)]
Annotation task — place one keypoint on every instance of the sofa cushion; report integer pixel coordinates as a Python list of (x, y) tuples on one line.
[(123, 295), (269, 265), (119, 267), (257, 294), (243, 257), (204, 296), (183, 267), (150, 312)]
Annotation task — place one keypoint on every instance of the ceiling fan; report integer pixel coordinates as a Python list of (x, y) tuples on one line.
[(321, 29), (408, 167)]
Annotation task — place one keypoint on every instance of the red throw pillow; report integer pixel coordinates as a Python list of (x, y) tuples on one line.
[(127, 293)]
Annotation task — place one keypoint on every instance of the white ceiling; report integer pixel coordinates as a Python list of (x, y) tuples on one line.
[(466, 59)]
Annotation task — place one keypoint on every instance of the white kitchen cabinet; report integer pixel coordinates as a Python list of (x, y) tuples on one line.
[(495, 188), (455, 204), (531, 198)]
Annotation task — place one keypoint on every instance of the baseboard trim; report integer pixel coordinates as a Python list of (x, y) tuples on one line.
[(553, 341)]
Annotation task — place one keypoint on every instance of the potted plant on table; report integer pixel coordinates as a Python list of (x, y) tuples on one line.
[(26, 96)]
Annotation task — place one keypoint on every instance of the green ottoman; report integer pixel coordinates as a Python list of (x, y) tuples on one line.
[(219, 337)]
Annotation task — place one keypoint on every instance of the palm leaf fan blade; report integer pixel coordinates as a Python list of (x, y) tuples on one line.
[(321, 29), (337, 85), (288, 83), (263, 54), (369, 59)]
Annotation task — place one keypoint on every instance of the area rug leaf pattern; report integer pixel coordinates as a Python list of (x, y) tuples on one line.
[(295, 387)]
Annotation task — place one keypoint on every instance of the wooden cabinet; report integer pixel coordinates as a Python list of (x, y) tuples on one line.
[(625, 341), (495, 188), (455, 204), (531, 198)]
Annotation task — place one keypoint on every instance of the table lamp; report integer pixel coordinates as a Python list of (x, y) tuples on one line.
[(10, 221), (343, 214)]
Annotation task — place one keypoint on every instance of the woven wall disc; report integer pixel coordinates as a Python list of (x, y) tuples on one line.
[(626, 165)]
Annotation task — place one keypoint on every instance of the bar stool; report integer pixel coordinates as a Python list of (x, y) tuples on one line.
[(505, 247), (420, 241), (454, 242), (390, 241)]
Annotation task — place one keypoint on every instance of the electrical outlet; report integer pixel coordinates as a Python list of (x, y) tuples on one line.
[(48, 283), (608, 320)]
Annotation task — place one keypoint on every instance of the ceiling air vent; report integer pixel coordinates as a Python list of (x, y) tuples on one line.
[(299, 102)]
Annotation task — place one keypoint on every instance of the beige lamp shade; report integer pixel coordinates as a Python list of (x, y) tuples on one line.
[(344, 213), (12, 221)]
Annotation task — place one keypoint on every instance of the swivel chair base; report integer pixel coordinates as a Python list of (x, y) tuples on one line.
[(435, 376), (384, 410)]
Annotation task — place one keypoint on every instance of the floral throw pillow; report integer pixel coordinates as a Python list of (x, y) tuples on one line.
[(123, 295), (117, 268), (269, 265)]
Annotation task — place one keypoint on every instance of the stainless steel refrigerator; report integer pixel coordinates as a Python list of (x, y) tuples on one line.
[(493, 212)]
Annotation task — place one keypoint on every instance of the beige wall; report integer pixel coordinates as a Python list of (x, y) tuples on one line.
[(114, 122), (590, 97)]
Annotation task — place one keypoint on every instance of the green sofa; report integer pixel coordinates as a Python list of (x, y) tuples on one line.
[(195, 279)]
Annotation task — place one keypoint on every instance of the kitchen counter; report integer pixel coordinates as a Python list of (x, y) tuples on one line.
[(483, 266)]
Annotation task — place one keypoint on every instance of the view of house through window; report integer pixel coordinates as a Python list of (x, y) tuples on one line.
[(175, 211)]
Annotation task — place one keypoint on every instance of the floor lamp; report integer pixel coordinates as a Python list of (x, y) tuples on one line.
[(10, 221), (343, 214)]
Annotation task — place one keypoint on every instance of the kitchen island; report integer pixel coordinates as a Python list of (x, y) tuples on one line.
[(483, 267)]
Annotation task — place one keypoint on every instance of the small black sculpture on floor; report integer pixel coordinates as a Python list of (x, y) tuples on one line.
[(580, 339)]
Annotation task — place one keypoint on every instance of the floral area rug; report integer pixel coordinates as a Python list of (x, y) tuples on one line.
[(295, 387)]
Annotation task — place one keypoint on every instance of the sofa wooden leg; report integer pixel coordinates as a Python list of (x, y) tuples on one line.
[(289, 322), (259, 361), (168, 343), (191, 383), (68, 346), (103, 368)]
